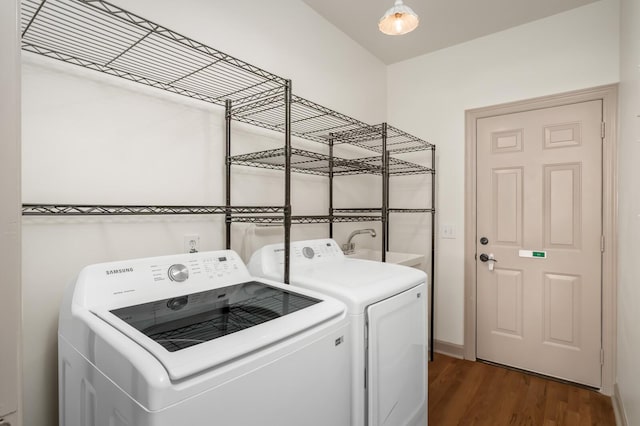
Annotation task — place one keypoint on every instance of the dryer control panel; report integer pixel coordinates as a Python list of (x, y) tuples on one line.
[(269, 260), (303, 252)]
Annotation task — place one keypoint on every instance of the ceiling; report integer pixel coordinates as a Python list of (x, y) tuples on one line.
[(443, 23)]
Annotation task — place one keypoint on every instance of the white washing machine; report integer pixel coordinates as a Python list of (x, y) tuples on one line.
[(195, 340), (387, 307)]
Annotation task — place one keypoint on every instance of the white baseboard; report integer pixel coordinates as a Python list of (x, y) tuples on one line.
[(450, 349), (618, 407)]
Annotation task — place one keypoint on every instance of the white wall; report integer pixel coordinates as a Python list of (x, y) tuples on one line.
[(428, 96), (629, 212), (90, 138), (10, 314)]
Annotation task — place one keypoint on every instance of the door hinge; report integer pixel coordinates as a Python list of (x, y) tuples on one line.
[(601, 243), (601, 356), (602, 129)]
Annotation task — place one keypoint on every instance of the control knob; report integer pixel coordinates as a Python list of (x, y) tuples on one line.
[(178, 273), (308, 252)]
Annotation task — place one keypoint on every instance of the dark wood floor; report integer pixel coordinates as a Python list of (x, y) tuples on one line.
[(472, 393)]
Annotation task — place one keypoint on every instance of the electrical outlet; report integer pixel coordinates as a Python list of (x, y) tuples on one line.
[(192, 243), (448, 231)]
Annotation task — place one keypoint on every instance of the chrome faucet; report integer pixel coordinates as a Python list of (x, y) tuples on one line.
[(350, 247)]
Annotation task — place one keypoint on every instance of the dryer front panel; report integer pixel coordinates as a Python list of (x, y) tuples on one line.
[(397, 359)]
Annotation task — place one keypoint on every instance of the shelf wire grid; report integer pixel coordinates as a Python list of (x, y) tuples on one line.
[(97, 35), (392, 210), (397, 167), (305, 220), (359, 210), (309, 162), (370, 137), (129, 210), (309, 120), (303, 161)]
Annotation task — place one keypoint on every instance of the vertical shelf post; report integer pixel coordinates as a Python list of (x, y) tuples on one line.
[(433, 251), (227, 137), (331, 185), (287, 180), (385, 193)]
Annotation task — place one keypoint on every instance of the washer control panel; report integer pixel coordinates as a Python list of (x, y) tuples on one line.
[(212, 265), (145, 279)]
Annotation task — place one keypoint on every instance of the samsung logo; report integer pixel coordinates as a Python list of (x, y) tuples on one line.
[(119, 271)]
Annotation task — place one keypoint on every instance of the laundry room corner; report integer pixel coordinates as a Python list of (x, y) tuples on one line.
[(92, 139)]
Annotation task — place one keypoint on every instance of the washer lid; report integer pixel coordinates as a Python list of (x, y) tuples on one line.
[(196, 331)]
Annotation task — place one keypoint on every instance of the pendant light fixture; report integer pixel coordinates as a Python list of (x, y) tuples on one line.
[(398, 20)]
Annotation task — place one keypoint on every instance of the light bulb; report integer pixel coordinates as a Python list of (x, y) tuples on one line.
[(397, 23)]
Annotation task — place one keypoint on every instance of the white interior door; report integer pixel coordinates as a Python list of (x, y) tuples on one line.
[(539, 206)]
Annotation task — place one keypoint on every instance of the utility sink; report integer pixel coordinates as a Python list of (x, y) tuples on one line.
[(407, 259)]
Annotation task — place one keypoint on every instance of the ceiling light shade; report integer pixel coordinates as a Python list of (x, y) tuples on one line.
[(398, 20)]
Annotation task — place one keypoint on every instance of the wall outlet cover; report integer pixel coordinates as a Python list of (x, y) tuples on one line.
[(191, 243)]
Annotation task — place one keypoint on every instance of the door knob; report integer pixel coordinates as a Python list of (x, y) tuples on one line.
[(488, 258)]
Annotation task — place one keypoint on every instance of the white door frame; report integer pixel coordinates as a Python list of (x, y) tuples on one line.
[(609, 96)]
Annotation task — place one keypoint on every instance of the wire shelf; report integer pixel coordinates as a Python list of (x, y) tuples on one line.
[(360, 210), (97, 35), (370, 138), (397, 167), (309, 120), (304, 220), (125, 210), (412, 210), (303, 161)]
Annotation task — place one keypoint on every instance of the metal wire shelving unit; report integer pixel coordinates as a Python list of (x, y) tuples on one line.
[(96, 35)]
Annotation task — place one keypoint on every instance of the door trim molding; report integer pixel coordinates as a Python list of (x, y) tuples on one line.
[(609, 96)]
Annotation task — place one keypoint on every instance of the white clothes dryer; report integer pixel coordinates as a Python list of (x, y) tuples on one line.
[(387, 307), (194, 339)]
